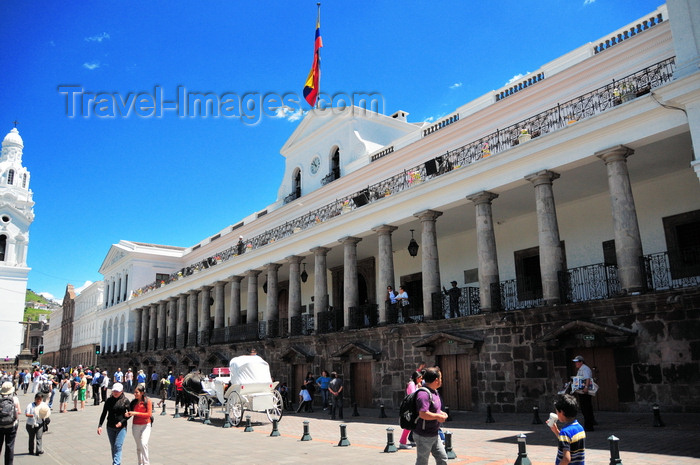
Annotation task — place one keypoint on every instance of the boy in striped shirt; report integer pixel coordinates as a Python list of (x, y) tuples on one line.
[(572, 437)]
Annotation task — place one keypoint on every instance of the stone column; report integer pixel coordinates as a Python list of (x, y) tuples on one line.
[(320, 282), (144, 329), (385, 275), (430, 259), (137, 330), (219, 302), (172, 321), (252, 315), (152, 327), (181, 336), (205, 322), (628, 242), (294, 291), (489, 293), (235, 311), (160, 344), (272, 305), (350, 291), (551, 253), (192, 318)]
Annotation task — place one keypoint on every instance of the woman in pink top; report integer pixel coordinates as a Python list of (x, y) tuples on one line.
[(415, 383)]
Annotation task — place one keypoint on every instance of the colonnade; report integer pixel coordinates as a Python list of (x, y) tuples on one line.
[(173, 322)]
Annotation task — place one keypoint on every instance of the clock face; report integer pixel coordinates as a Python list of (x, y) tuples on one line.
[(315, 164)]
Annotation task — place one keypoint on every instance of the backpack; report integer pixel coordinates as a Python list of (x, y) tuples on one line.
[(7, 412), (46, 387), (408, 411)]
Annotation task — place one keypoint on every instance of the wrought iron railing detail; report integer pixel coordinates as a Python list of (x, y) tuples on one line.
[(633, 31), (673, 269), (329, 321), (590, 282), (308, 323), (398, 314), (514, 297), (468, 304), (364, 316), (273, 329), (550, 120)]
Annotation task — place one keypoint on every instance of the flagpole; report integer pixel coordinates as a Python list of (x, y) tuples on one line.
[(318, 22)]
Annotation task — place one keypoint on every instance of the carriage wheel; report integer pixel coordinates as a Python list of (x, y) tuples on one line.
[(275, 413), (234, 407), (203, 407)]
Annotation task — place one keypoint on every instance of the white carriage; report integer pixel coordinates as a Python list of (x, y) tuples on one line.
[(248, 386)]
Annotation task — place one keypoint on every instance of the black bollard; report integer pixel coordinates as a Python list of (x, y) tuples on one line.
[(447, 411), (163, 412), (382, 414), (227, 420), (489, 417), (522, 453), (306, 436), (536, 416), (657, 416), (390, 446), (275, 432), (448, 445), (355, 413), (343, 437), (177, 413), (614, 451), (207, 421), (248, 427)]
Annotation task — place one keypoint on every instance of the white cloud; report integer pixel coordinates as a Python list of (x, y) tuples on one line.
[(588, 2), (91, 66), (430, 119), (97, 37), (47, 295), (288, 113), (516, 78), (456, 85), (83, 287)]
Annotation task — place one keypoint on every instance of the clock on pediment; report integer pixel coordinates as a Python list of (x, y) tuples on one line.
[(315, 164)]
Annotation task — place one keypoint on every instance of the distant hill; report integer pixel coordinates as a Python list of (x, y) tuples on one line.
[(34, 297)]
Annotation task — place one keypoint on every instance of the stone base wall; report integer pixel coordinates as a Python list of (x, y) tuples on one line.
[(517, 359)]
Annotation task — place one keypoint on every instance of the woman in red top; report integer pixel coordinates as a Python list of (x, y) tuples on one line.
[(141, 409), (179, 397)]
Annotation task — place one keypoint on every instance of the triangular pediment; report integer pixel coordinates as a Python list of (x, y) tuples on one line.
[(299, 353), (581, 333), (357, 349), (450, 342)]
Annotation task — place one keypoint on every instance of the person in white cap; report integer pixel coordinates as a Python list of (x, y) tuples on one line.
[(584, 399), (9, 420), (115, 409)]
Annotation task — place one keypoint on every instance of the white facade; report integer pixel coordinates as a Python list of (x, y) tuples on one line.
[(88, 303), (52, 336), (16, 215)]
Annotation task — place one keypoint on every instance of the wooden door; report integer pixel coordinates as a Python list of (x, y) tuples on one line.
[(361, 381), (602, 362), (298, 378), (456, 381)]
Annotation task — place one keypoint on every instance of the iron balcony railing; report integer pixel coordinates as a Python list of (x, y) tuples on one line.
[(468, 303), (590, 282), (677, 268), (555, 118)]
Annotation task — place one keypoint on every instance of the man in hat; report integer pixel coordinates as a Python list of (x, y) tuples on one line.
[(9, 420), (453, 294), (585, 400)]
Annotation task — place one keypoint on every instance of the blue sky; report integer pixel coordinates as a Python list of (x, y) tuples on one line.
[(176, 180)]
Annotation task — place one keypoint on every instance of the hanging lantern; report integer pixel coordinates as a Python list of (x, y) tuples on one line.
[(413, 246), (304, 274)]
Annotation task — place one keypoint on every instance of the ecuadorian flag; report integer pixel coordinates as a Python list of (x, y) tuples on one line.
[(312, 82)]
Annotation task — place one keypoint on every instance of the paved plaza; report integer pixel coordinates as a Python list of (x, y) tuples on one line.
[(72, 439)]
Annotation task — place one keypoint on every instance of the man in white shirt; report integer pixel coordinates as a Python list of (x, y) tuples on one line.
[(585, 400)]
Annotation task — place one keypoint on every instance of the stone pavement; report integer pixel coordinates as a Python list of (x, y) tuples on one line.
[(72, 439)]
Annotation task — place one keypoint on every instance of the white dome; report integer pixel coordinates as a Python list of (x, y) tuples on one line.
[(13, 139)]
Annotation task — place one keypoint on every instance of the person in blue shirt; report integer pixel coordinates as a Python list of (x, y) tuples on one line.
[(322, 382)]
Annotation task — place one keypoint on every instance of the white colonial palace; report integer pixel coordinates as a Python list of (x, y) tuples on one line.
[(566, 207)]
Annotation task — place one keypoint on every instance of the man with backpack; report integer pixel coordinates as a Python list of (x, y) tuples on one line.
[(9, 420), (430, 416)]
